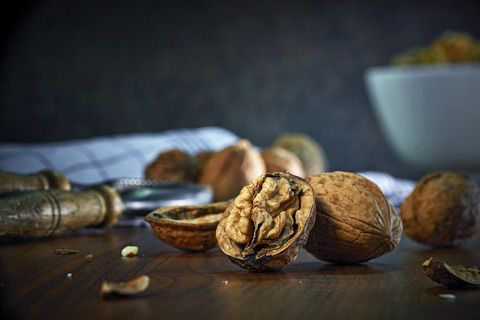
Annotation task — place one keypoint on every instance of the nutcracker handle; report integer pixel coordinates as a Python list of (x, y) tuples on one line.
[(43, 213), (47, 179)]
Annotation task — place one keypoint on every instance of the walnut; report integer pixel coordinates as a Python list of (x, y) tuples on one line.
[(443, 210), (202, 158), (306, 149), (354, 220), (229, 170), (268, 223), (451, 276), (172, 165), (189, 228), (279, 159)]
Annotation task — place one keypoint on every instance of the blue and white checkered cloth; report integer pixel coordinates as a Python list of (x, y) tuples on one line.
[(91, 161)]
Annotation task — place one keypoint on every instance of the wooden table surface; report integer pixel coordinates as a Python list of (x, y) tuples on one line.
[(34, 283)]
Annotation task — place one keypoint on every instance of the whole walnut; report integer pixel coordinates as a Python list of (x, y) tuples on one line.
[(443, 210), (279, 159), (355, 222), (172, 165), (306, 149), (230, 169)]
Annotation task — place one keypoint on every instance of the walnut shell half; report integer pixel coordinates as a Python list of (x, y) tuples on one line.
[(354, 221), (268, 223), (443, 210), (189, 228)]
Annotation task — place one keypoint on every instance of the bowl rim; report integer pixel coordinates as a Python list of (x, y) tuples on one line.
[(463, 68)]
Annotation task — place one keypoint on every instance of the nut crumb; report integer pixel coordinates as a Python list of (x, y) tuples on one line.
[(447, 296), (127, 288), (130, 251), (63, 251), (89, 257)]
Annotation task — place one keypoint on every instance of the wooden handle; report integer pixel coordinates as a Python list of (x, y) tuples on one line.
[(47, 179), (43, 213)]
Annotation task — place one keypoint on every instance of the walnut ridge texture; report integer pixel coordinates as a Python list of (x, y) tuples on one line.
[(355, 222)]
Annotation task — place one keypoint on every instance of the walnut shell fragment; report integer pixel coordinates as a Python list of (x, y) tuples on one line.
[(443, 210), (268, 223), (451, 276), (172, 165), (127, 288), (354, 220), (189, 228), (230, 169)]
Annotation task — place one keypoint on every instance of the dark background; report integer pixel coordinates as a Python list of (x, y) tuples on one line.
[(81, 68)]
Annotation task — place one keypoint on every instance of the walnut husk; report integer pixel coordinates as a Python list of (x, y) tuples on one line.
[(188, 228), (279, 159), (443, 210), (230, 169), (268, 223), (172, 165), (355, 222), (309, 151), (451, 276)]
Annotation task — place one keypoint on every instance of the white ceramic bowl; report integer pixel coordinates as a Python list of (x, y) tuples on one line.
[(430, 115)]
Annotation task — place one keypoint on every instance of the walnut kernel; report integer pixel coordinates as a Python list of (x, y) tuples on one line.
[(129, 251), (268, 223)]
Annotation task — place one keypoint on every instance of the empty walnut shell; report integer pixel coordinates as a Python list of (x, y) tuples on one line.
[(230, 169), (279, 159), (306, 149), (172, 165), (354, 220), (189, 228), (443, 210), (268, 223)]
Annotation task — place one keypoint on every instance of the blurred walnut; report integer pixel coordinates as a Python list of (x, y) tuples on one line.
[(279, 159), (443, 210), (267, 224), (172, 165), (306, 149), (229, 170), (202, 158), (354, 220)]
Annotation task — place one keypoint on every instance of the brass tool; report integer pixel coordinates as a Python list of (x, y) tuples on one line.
[(48, 179), (43, 213)]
